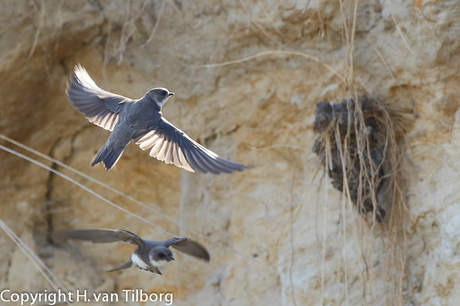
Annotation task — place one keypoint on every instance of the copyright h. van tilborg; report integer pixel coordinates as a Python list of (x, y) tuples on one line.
[(83, 296)]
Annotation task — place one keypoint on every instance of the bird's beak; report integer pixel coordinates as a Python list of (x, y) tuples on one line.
[(171, 258), (171, 94)]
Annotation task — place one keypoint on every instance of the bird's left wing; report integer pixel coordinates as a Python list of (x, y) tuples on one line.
[(169, 144), (188, 246)]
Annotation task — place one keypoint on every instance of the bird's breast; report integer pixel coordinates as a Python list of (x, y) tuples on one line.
[(143, 115), (139, 262)]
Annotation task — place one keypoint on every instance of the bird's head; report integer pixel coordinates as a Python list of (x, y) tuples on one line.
[(161, 255), (159, 95)]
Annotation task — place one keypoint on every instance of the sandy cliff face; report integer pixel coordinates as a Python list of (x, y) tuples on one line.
[(276, 233)]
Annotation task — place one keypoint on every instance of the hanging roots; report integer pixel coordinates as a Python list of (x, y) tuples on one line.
[(357, 142)]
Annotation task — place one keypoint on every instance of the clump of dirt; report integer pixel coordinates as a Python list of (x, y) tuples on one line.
[(356, 141)]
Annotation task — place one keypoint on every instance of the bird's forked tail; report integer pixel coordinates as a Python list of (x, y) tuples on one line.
[(108, 156)]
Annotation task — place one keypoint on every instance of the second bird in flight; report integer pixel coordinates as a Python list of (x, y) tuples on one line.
[(150, 255)]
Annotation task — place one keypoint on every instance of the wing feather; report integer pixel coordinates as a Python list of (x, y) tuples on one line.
[(99, 106), (189, 246), (169, 144), (102, 235)]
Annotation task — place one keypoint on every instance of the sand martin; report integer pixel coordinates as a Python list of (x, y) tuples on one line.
[(142, 121), (149, 255)]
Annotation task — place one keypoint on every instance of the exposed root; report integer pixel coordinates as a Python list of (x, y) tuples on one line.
[(157, 23), (278, 52), (35, 260)]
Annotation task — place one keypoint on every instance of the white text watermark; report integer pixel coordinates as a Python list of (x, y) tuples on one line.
[(83, 296)]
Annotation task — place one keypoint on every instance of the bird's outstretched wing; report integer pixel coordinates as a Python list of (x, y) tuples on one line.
[(188, 246), (99, 106), (169, 144), (102, 235)]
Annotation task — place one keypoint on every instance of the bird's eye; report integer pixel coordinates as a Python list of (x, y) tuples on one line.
[(161, 255)]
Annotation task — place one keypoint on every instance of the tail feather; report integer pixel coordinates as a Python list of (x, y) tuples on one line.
[(108, 156)]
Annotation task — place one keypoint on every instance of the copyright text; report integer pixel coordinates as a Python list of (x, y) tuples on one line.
[(54, 297)]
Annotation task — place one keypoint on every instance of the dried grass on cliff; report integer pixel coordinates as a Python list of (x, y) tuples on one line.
[(361, 150), (367, 233)]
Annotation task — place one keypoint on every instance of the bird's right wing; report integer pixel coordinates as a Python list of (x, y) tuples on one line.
[(171, 145), (188, 246), (102, 235), (99, 106)]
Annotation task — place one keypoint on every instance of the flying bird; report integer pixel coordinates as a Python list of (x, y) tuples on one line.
[(141, 121), (149, 255)]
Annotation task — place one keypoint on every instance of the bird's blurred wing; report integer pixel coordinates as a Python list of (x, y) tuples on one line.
[(102, 235), (188, 246), (99, 106)]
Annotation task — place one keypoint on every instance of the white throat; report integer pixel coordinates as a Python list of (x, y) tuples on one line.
[(161, 103), (155, 263)]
